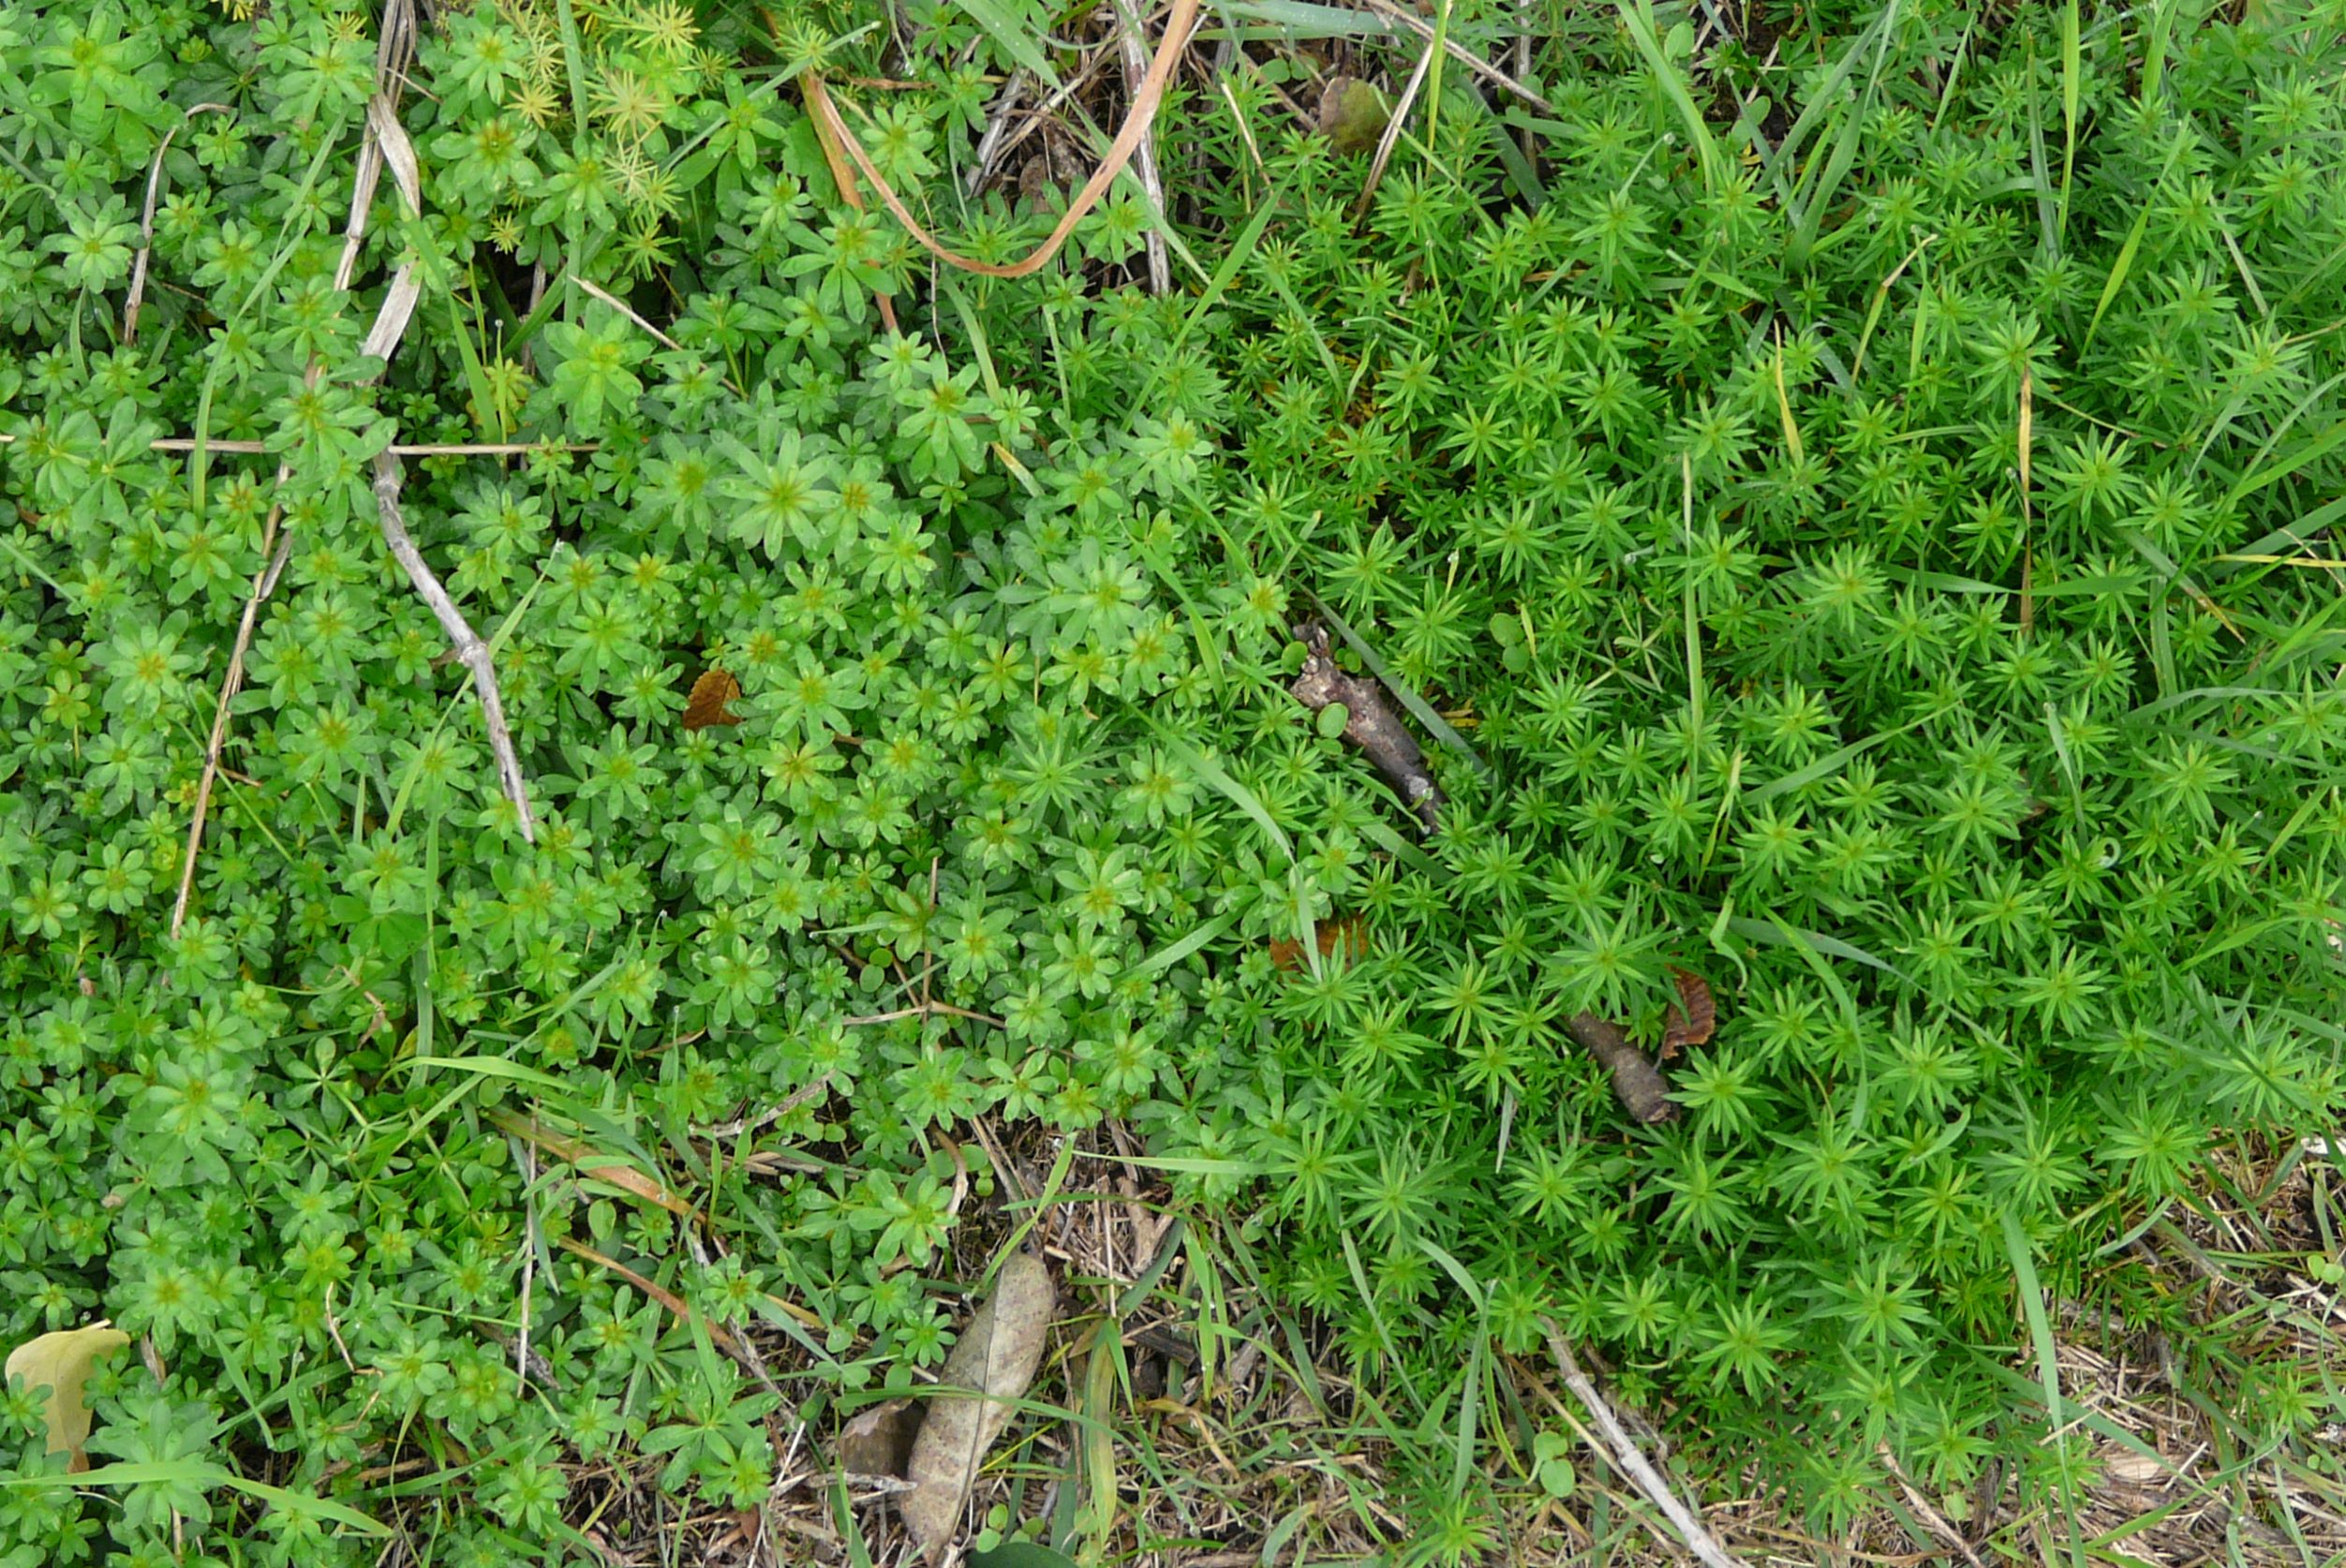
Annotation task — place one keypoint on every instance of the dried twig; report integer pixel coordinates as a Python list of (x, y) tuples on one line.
[(470, 650), (1625, 1457), (1369, 723), (528, 1259), (1923, 1506), (395, 48), (137, 295), (790, 1103), (1128, 32), (1138, 120), (1638, 1084), (1392, 138), (677, 1308), (830, 135), (997, 126), (1463, 55), (264, 584), (398, 448), (628, 311)]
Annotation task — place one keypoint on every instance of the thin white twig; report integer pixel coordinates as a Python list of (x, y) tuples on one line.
[(1386, 143), (393, 50), (997, 126), (1128, 26), (398, 448), (470, 651), (264, 584), (629, 312), (796, 1098), (137, 295), (1463, 55), (528, 1259), (1626, 1456)]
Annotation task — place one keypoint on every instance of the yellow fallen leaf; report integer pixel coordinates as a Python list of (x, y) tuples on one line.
[(59, 1362)]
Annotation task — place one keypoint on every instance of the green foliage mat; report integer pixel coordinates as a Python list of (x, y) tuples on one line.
[(1865, 521)]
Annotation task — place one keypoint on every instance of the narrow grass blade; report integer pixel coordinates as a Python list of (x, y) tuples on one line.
[(1165, 957), (1230, 789), (1636, 16), (2048, 1365), (2072, 69)]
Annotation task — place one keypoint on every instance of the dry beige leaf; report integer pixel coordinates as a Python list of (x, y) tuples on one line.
[(60, 1362), (392, 314), (994, 1361), (382, 120)]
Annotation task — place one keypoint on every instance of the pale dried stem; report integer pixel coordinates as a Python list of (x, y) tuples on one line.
[(419, 448), (264, 582), (628, 311), (1624, 1454), (1128, 32), (1137, 119), (1392, 138), (137, 296), (989, 146), (1463, 55), (470, 651), (796, 1098), (393, 50), (528, 1259)]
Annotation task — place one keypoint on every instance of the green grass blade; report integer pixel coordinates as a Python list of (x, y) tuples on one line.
[(2071, 71), (1228, 788), (2048, 1363), (1636, 16)]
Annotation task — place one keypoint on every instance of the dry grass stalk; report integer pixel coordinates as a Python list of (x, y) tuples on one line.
[(1392, 138), (990, 147), (1624, 1455), (470, 651), (1137, 123), (137, 295), (1128, 33), (1463, 55), (394, 49), (657, 336)]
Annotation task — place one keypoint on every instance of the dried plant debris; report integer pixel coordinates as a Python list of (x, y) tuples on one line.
[(1638, 1084), (1693, 1017), (1371, 723), (1352, 114), (991, 1368), (878, 1440), (709, 702)]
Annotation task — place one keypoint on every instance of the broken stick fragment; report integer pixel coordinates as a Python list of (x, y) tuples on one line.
[(1638, 1084), (472, 653), (1369, 723)]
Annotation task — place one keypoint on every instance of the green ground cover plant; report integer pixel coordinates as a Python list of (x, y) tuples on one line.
[(1847, 504)]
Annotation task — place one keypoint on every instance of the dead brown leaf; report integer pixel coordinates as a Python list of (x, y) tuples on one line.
[(878, 1440), (1693, 1017), (1348, 932), (707, 705)]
